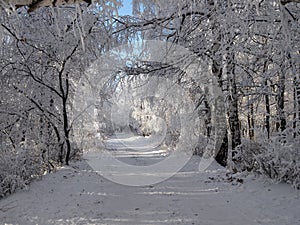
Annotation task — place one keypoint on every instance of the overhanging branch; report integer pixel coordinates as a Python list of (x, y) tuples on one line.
[(36, 4)]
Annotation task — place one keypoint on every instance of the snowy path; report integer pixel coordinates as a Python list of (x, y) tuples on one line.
[(78, 195)]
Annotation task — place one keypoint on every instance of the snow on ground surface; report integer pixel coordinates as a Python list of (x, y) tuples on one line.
[(78, 195)]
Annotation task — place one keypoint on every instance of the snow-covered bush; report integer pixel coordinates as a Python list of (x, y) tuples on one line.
[(17, 168), (275, 158), (281, 162), (245, 156)]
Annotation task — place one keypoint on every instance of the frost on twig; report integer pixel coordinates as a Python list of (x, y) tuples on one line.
[(36, 4)]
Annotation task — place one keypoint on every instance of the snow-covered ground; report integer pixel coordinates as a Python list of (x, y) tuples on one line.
[(78, 195)]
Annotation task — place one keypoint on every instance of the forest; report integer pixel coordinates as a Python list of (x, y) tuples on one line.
[(233, 82)]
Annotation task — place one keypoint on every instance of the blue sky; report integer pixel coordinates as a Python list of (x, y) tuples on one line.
[(126, 9)]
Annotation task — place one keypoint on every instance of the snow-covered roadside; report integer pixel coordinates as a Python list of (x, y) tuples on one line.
[(77, 195)]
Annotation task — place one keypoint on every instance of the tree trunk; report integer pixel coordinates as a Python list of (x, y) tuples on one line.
[(64, 90), (268, 110), (233, 112), (251, 122), (222, 154), (207, 116), (66, 132), (281, 124), (296, 107)]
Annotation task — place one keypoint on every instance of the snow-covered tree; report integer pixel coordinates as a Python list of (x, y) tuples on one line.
[(40, 69)]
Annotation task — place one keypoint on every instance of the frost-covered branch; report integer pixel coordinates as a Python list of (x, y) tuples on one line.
[(289, 1), (36, 4)]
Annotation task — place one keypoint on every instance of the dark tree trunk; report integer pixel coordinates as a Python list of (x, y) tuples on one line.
[(64, 89), (222, 154), (281, 124), (268, 109), (66, 132), (250, 119), (207, 117)]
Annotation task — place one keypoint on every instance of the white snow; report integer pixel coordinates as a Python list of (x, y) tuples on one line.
[(78, 195)]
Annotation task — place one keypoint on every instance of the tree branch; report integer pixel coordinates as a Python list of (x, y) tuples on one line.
[(283, 2)]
